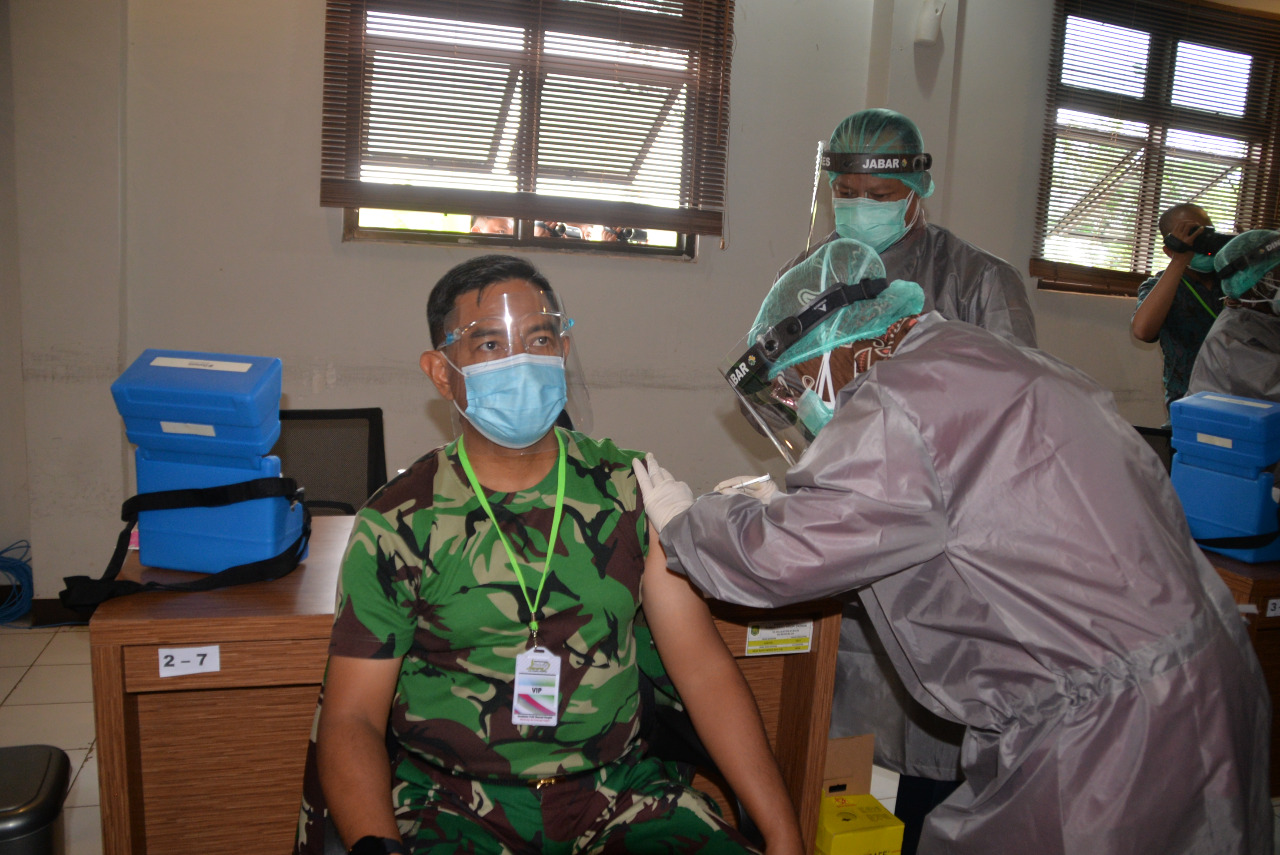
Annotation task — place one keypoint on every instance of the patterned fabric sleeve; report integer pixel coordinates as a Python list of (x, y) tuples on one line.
[(373, 617)]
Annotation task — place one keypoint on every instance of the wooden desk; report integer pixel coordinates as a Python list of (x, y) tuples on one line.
[(213, 762), (1259, 585)]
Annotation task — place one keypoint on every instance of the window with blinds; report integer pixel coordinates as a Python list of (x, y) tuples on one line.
[(528, 121), (1152, 104)]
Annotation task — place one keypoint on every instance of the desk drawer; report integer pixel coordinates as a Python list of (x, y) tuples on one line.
[(242, 664)]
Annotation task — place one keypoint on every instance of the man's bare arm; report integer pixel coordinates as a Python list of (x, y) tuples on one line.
[(355, 773), (718, 699)]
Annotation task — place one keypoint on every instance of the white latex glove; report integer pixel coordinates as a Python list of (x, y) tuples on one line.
[(761, 487), (664, 496)]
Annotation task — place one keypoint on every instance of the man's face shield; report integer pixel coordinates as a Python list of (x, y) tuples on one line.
[(776, 398), (505, 320), (542, 333)]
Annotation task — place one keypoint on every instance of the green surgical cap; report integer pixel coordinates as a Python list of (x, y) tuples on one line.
[(881, 131), (840, 261), (1241, 282)]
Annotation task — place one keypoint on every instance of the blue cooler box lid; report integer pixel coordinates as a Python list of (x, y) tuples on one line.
[(1240, 432), (201, 403)]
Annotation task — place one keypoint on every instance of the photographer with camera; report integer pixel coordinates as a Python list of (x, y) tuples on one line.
[(1178, 307)]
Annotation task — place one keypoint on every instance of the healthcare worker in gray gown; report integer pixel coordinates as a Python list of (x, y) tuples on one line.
[(1241, 351), (879, 174), (1022, 556)]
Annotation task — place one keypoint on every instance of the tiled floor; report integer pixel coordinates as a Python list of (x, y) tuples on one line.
[(46, 698)]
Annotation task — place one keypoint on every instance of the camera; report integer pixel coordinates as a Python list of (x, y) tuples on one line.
[(1208, 242)]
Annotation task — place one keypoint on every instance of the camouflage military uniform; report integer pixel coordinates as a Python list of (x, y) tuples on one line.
[(426, 578)]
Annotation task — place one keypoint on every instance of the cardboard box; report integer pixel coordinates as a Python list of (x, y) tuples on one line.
[(851, 821), (847, 770)]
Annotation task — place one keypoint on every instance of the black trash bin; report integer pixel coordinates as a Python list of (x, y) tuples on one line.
[(33, 785)]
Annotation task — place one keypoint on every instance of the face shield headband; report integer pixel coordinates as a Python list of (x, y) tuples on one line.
[(770, 402), (842, 163), (1260, 255)]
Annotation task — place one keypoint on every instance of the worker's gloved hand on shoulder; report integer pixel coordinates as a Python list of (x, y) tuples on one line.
[(757, 487), (664, 496)]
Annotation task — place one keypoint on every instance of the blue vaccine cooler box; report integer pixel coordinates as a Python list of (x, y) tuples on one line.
[(1225, 447), (201, 403), (206, 420), (207, 540)]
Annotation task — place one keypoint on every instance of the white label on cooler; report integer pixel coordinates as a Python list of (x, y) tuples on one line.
[(203, 364), (176, 661), (1210, 439), (1273, 608), (188, 428), (1262, 405), (769, 637)]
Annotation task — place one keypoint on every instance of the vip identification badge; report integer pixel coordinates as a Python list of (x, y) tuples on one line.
[(537, 699)]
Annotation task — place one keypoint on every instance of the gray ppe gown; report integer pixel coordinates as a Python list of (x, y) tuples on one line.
[(1027, 566), (1240, 356), (962, 283)]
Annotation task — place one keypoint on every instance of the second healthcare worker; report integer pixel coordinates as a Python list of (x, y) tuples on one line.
[(1022, 556), (879, 174)]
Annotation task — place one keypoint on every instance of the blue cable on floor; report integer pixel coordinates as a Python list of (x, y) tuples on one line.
[(18, 570)]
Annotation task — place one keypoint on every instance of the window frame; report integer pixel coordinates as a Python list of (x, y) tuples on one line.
[(1167, 23), (703, 28)]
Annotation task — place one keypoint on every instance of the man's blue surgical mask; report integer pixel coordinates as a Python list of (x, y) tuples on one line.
[(514, 401), (1201, 263), (877, 224)]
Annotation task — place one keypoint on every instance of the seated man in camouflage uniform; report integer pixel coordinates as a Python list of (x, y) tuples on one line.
[(454, 617)]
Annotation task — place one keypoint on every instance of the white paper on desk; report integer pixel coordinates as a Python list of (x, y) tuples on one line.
[(177, 661)]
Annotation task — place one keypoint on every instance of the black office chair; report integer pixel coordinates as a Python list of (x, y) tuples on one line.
[(1161, 441), (338, 456)]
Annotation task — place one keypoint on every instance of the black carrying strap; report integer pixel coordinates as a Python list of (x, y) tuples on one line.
[(83, 594)]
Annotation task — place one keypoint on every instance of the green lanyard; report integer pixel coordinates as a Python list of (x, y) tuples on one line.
[(551, 542), (1196, 294)]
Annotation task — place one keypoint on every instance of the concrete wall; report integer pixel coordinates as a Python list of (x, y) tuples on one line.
[(165, 180)]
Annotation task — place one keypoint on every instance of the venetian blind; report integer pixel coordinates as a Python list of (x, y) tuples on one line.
[(1151, 104), (599, 111)]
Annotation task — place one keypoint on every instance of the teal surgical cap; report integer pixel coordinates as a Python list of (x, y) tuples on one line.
[(1242, 273), (839, 261), (881, 131)]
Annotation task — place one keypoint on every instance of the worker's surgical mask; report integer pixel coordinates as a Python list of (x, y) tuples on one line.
[(813, 412), (514, 401), (1201, 263), (877, 224), (816, 406)]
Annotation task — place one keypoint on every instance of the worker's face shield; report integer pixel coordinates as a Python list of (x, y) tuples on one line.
[(777, 398), (770, 405), (908, 173), (1249, 268), (508, 364)]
